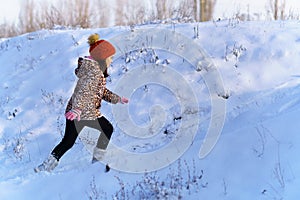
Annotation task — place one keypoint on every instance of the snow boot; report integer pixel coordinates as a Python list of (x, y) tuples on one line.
[(48, 165), (98, 154)]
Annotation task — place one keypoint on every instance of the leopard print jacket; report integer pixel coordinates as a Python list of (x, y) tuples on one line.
[(90, 90)]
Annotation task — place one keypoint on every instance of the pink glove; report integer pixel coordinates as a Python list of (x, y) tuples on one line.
[(123, 100), (73, 114)]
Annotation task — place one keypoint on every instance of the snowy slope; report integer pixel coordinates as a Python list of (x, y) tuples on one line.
[(254, 158)]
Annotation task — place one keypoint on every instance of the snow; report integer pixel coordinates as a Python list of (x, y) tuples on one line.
[(226, 92)]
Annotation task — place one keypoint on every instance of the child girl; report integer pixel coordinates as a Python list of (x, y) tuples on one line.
[(83, 107)]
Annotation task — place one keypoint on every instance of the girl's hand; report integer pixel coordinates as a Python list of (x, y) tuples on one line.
[(123, 100), (73, 114)]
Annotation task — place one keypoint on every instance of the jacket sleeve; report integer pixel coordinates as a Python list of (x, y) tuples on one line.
[(110, 96)]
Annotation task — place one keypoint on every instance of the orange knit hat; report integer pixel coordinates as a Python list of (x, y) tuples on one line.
[(100, 49)]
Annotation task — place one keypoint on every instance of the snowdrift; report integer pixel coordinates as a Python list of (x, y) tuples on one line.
[(255, 156)]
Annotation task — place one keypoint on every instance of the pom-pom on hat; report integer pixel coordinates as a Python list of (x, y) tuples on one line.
[(100, 49)]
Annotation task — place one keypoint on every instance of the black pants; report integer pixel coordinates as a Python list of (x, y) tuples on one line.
[(73, 128)]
